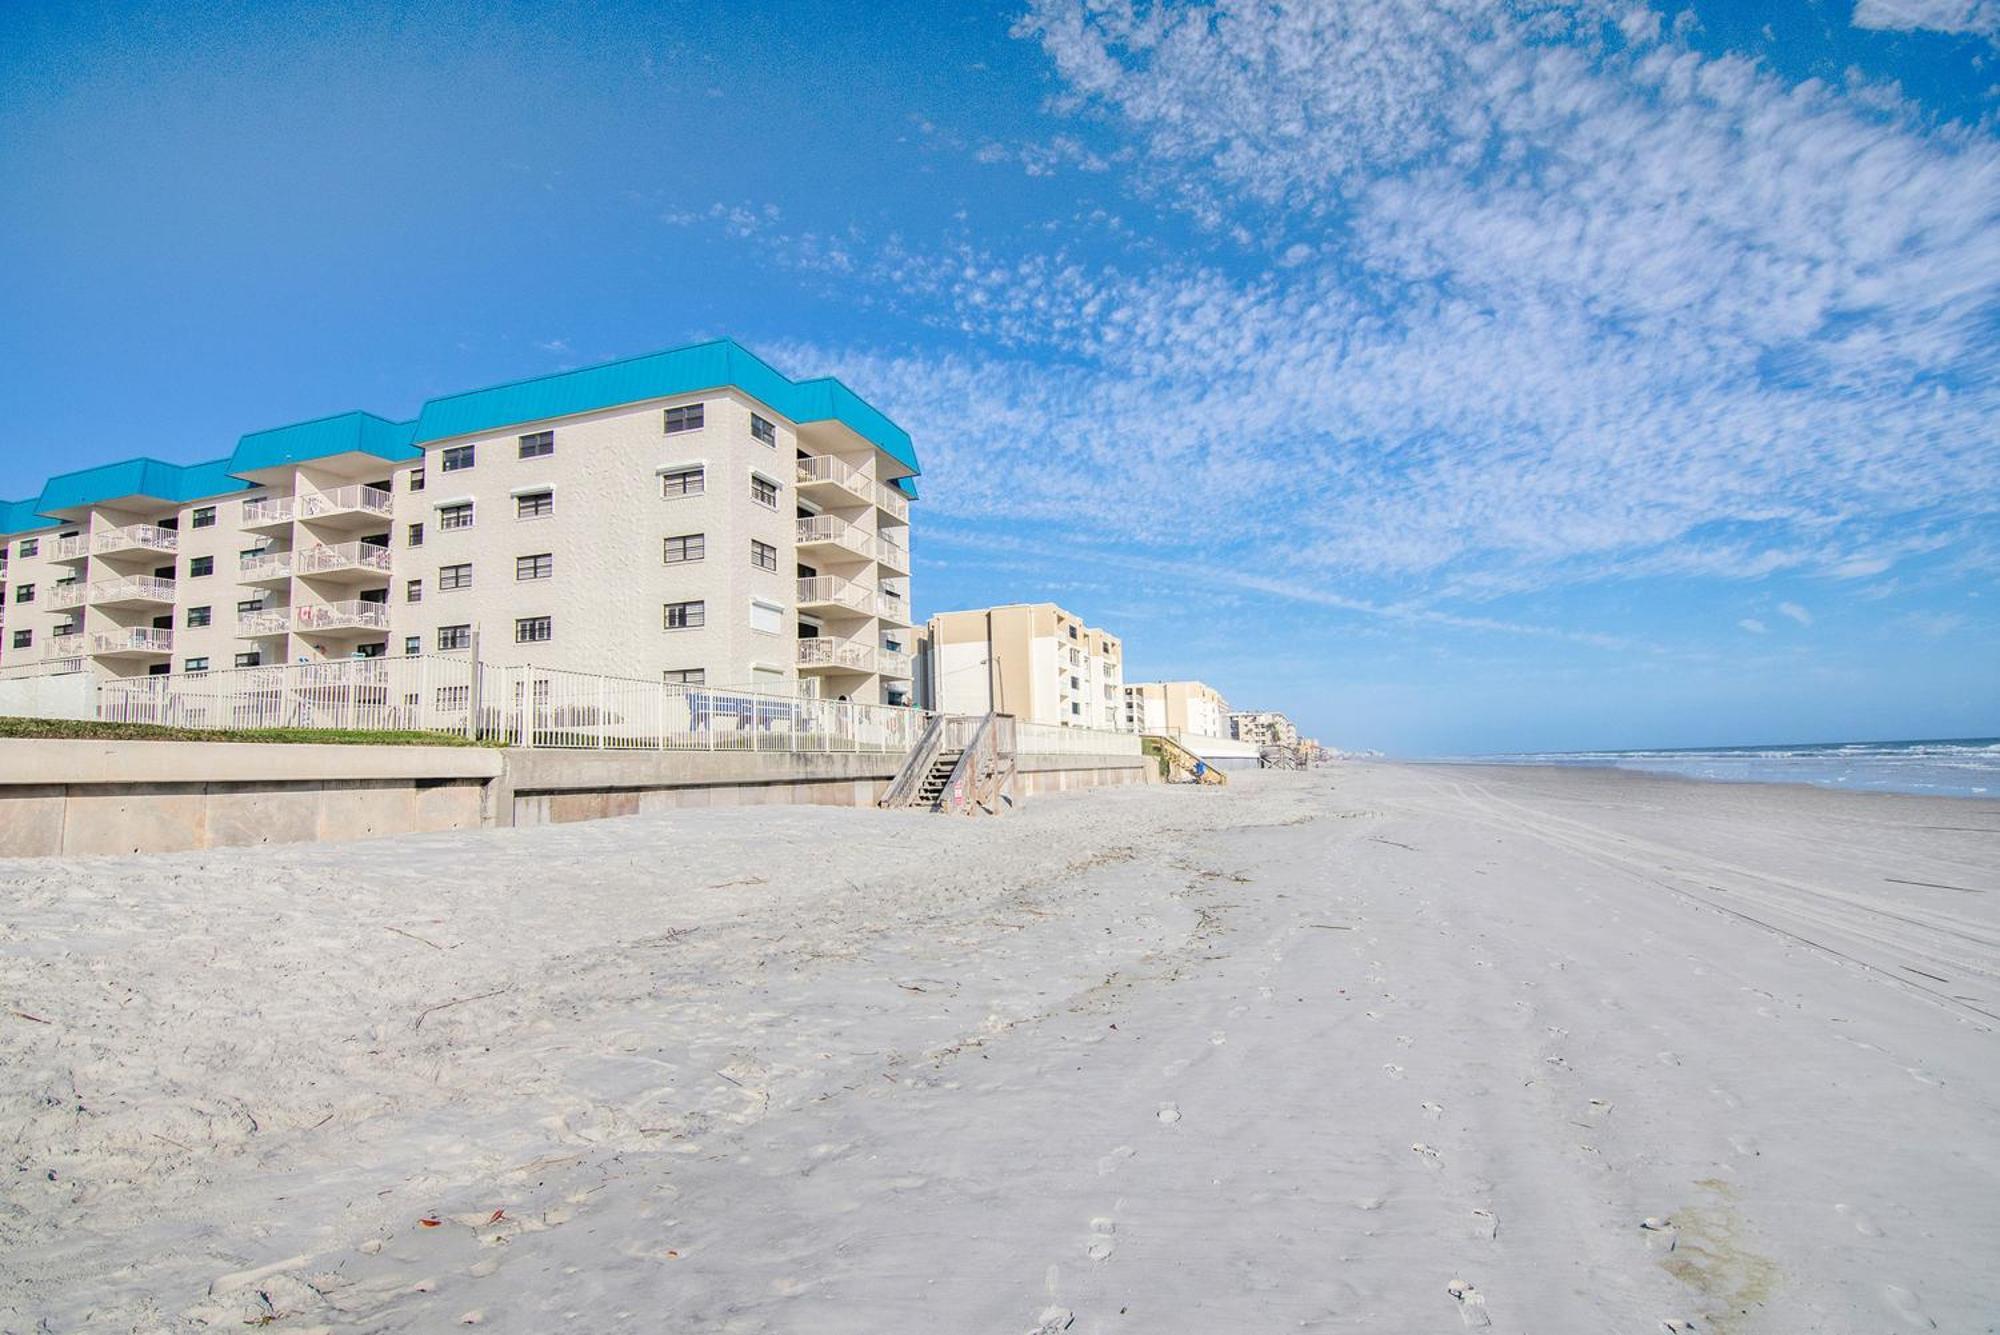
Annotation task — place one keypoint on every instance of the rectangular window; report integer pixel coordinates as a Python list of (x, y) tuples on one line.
[(249, 605), (413, 590), (200, 616), (687, 418), (538, 446), (24, 593), (413, 645), (194, 665), (763, 491), (200, 565), (687, 547), (23, 639), (456, 459), (763, 555), (455, 577), (203, 517), (763, 429), (455, 516), (684, 676), (29, 546), (683, 482), (684, 616), (767, 617), (535, 505), (249, 659), (455, 637), (535, 567), (416, 479), (533, 630)]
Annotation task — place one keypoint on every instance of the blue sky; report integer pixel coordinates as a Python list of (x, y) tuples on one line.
[(1457, 377)]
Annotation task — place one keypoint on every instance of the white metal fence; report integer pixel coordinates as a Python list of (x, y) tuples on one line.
[(519, 706), (1046, 739)]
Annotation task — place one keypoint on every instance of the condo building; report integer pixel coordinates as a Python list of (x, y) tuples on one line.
[(1192, 708), (1035, 661), (691, 516), (1263, 728)]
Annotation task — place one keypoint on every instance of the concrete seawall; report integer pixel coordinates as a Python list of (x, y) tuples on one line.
[(73, 798)]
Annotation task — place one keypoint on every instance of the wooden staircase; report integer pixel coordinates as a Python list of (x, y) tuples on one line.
[(1177, 763), (963, 763)]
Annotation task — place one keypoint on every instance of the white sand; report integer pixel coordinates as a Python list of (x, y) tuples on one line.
[(1384, 1049)]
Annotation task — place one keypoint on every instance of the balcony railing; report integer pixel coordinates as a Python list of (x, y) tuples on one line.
[(70, 549), (132, 537), (892, 501), (892, 554), (363, 556), (69, 594), (345, 500), (260, 566), (892, 662), (136, 640), (268, 510), (892, 607), (827, 530), (132, 589), (66, 646), (825, 470), (257, 625), (353, 614), (831, 590), (823, 651)]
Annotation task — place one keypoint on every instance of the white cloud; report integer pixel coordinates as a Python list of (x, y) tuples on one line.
[(1796, 613), (1934, 624), (1980, 17), (1754, 626)]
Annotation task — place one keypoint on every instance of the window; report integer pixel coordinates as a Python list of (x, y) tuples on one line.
[(767, 617), (203, 517), (763, 555), (535, 505), (415, 537), (683, 482), (455, 637), (455, 577), (456, 459), (23, 639), (250, 658), (538, 446), (687, 547), (684, 616), (763, 429), (200, 565), (194, 665), (763, 490), (67, 628), (416, 479), (413, 590), (535, 567), (533, 630), (29, 546), (413, 645), (24, 593), (249, 605), (200, 616), (684, 676), (455, 516), (686, 418)]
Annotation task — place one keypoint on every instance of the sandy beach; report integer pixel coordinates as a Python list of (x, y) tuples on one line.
[(1377, 1048)]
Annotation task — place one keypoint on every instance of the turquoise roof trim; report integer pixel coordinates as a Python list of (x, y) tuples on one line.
[(662, 375), (713, 365)]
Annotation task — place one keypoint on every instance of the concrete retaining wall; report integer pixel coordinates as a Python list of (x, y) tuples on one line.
[(87, 797)]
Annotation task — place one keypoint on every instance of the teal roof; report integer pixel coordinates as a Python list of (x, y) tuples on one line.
[(659, 375), (663, 375)]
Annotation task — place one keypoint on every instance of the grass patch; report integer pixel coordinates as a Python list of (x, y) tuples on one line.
[(82, 730)]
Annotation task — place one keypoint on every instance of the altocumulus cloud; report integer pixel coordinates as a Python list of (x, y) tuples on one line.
[(1485, 299)]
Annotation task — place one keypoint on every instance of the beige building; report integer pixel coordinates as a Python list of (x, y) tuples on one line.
[(1263, 728), (1190, 707), (692, 515), (1035, 661)]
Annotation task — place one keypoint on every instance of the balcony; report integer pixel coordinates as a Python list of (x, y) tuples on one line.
[(266, 568), (70, 549), (823, 653), (821, 532), (111, 541), (135, 642), (354, 617), (66, 646), (263, 624), (830, 592), (892, 663), (893, 608), (355, 560), (268, 512), (132, 591), (829, 480), (892, 502), (68, 593), (342, 505), (893, 555)]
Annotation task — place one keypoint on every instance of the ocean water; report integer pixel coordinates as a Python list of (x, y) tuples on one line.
[(1966, 767)]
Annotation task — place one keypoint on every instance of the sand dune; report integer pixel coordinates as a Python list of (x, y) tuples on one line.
[(1375, 1049)]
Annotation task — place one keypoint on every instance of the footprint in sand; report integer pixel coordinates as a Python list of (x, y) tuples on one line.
[(1429, 1156), (1906, 1307), (1395, 1072), (1109, 1163), (1169, 1114), (1746, 1146), (1432, 1110), (1484, 1224), (1052, 1320), (1863, 1225), (1100, 1246), (1661, 1235), (1471, 1303)]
